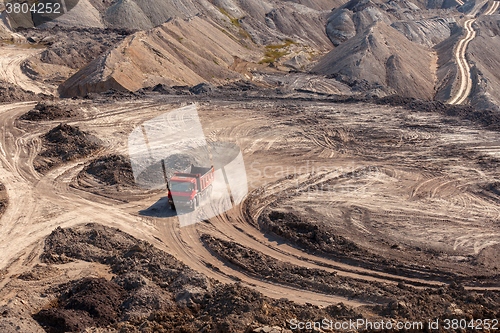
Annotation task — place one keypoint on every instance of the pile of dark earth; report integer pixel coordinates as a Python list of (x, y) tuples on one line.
[(268, 268), (203, 91), (65, 143), (488, 118), (10, 93), (317, 238), (48, 111), (399, 300), (151, 291), (111, 170)]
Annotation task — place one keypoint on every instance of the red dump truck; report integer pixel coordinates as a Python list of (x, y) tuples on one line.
[(186, 189)]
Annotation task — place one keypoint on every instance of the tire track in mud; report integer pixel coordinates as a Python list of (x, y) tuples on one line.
[(288, 253), (51, 202), (189, 249), (27, 222), (11, 60)]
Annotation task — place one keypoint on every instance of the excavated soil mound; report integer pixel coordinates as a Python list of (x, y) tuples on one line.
[(268, 268), (10, 93), (95, 301), (154, 292), (46, 111), (306, 233), (111, 170), (153, 174), (65, 143)]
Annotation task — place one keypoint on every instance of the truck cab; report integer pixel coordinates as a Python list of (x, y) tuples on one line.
[(187, 188), (183, 191)]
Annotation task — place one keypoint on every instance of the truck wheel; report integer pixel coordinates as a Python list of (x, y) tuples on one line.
[(172, 206), (196, 202)]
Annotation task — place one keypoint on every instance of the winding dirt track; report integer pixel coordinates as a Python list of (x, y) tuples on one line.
[(38, 204), (10, 68), (465, 85)]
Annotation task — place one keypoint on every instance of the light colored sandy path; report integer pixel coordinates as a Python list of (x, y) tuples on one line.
[(11, 59), (465, 85), (39, 204)]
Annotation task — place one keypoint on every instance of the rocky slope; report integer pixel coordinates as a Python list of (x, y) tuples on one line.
[(384, 59), (180, 52), (5, 32), (483, 53)]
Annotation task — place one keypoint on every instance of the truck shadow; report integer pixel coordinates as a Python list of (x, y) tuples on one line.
[(159, 209)]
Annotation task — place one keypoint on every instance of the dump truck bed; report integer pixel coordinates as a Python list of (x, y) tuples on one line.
[(200, 170)]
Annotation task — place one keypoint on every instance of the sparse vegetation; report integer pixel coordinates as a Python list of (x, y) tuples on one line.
[(286, 43), (236, 22), (275, 51), (270, 56)]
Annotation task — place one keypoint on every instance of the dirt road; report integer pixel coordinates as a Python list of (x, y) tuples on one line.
[(415, 188), (11, 60), (38, 204), (465, 83)]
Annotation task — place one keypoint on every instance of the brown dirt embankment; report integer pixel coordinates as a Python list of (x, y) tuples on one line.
[(48, 111), (111, 170), (10, 93), (153, 291), (65, 143)]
